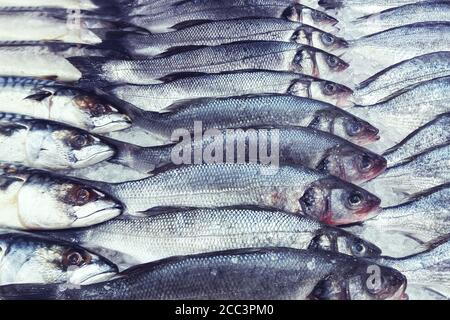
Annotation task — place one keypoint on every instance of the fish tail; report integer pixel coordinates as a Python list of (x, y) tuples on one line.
[(29, 292), (113, 40), (114, 8), (91, 69)]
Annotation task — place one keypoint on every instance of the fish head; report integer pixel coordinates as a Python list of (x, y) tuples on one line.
[(47, 201), (26, 258), (57, 147), (329, 64), (352, 163), (345, 125), (336, 202), (331, 92), (324, 40), (84, 110), (310, 16)]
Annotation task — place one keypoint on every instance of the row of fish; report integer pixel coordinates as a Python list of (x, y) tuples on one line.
[(92, 95)]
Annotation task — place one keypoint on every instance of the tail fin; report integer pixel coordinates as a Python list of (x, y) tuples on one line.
[(115, 8), (92, 70), (113, 40), (29, 292)]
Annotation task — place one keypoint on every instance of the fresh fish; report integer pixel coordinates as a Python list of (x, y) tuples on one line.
[(288, 188), (45, 60), (29, 258), (267, 55), (402, 76), (36, 200), (49, 100), (420, 173), (438, 11), (166, 18), (363, 6), (207, 230), (48, 145), (240, 274), (429, 269), (381, 50), (267, 110), (235, 83), (225, 31), (434, 134), (424, 218), (301, 146), (407, 112)]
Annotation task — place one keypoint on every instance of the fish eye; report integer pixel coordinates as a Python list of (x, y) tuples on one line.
[(79, 141), (365, 163), (317, 15), (358, 249), (332, 61), (100, 109), (355, 199), (329, 88), (353, 128), (83, 196), (328, 39), (74, 258)]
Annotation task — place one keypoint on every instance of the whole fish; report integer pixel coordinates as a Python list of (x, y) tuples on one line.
[(266, 110), (30, 258), (239, 274), (225, 31), (288, 188), (183, 232), (421, 172), (157, 97), (48, 145), (434, 134), (301, 146), (384, 49), (429, 269), (166, 18), (407, 112), (438, 11), (34, 200), (268, 55), (424, 218), (402, 76), (54, 101), (45, 59)]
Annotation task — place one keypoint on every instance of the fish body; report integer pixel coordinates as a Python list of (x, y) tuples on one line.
[(49, 100), (184, 232), (434, 134), (157, 97), (402, 76), (227, 31), (289, 188), (27, 258), (34, 200), (266, 110), (298, 274), (267, 55)]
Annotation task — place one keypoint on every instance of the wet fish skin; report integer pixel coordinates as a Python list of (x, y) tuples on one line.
[(402, 76), (434, 134), (48, 145), (58, 102), (267, 55), (424, 217), (266, 110), (152, 238), (219, 276), (157, 97), (163, 18), (225, 31), (37, 200), (300, 146), (29, 258), (363, 6), (288, 188)]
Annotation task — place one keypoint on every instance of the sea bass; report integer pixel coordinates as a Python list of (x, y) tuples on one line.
[(30, 258), (157, 97), (34, 200), (45, 99), (225, 31), (433, 134), (401, 77), (289, 188), (153, 238), (266, 110), (299, 275), (267, 55)]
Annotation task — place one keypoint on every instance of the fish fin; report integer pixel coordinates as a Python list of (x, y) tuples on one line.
[(39, 96), (49, 77), (28, 292), (155, 211), (433, 244), (177, 50), (436, 292), (90, 68), (181, 104), (114, 8), (188, 24), (419, 195), (181, 75)]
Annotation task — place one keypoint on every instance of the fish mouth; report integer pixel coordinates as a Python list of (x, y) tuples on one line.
[(98, 216), (400, 294), (95, 158), (116, 125)]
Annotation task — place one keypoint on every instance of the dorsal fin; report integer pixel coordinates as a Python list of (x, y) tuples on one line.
[(190, 23), (39, 96), (177, 50), (181, 75)]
